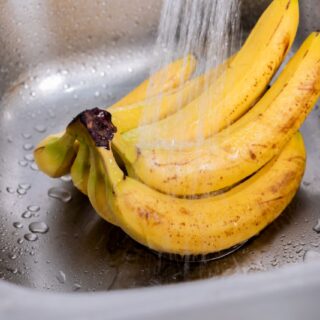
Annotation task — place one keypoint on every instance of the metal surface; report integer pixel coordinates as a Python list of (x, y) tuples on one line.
[(57, 58)]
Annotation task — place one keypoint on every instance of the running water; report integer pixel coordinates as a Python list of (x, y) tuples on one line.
[(207, 29)]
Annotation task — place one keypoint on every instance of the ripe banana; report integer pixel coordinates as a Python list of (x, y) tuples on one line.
[(237, 89), (184, 226), (240, 150)]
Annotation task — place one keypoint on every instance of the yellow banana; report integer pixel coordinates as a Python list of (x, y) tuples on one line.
[(55, 154), (237, 89), (240, 150), (184, 226), (80, 168)]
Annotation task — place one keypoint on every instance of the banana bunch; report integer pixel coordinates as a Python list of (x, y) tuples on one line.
[(221, 159)]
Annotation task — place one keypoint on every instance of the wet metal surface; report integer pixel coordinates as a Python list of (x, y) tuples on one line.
[(50, 69)]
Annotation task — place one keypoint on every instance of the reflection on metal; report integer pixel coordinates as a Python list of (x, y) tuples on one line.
[(101, 49)]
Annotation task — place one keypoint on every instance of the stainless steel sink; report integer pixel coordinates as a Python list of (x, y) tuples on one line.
[(57, 58)]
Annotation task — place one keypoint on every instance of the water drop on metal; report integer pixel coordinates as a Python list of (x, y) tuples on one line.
[(29, 157), (34, 167), (38, 227), (59, 194), (26, 215), (28, 146), (40, 128), (76, 287), (18, 225), (311, 255), (61, 277), (21, 191), (66, 178), (23, 163), (10, 190), (26, 135), (25, 186), (33, 208), (31, 237), (12, 256), (316, 228)]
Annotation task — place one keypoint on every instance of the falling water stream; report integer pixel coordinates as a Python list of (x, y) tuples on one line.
[(207, 29)]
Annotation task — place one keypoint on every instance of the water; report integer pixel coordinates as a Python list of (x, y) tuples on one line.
[(207, 29), (59, 194), (316, 228), (26, 215), (61, 277), (25, 186), (311, 255), (31, 237), (18, 225), (28, 146), (33, 208), (38, 227), (210, 30)]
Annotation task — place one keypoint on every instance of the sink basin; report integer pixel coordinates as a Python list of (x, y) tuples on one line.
[(58, 58)]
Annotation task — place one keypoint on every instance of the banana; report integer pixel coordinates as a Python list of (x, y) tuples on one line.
[(55, 154), (186, 226), (236, 90), (240, 150), (80, 169)]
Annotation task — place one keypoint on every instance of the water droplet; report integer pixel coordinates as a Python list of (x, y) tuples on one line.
[(26, 135), (40, 128), (76, 287), (26, 215), (25, 186), (311, 255), (38, 227), (20, 240), (12, 256), (130, 69), (23, 163), (10, 190), (29, 157), (34, 167), (9, 139), (61, 277), (97, 94), (18, 225), (33, 208), (31, 237), (28, 146), (32, 94), (316, 228), (66, 178), (21, 191), (60, 194)]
